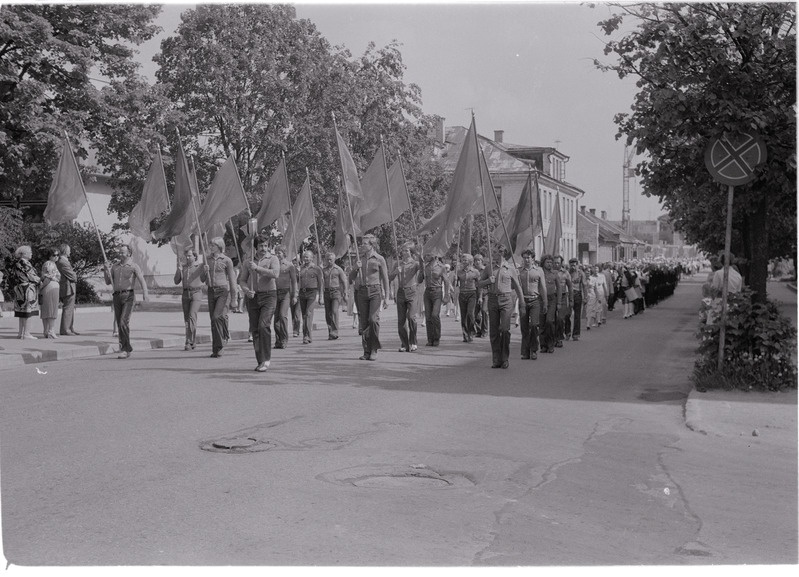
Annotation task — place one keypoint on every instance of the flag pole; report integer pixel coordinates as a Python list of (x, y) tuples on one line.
[(346, 194), (86, 196), (249, 222), (196, 216), (537, 200), (291, 210), (483, 196), (410, 205), (390, 207), (313, 213), (496, 200), (235, 240)]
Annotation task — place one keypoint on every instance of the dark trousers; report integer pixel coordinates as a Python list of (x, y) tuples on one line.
[(261, 309), (332, 302), (560, 321), (296, 318), (67, 314), (481, 315), (529, 317), (217, 309), (432, 314), (612, 298), (500, 308), (406, 316), (191, 301), (573, 326), (123, 307), (282, 317), (467, 300), (368, 303), (307, 305), (547, 324)]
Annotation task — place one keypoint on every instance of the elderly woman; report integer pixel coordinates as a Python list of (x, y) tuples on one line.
[(24, 283), (48, 292)]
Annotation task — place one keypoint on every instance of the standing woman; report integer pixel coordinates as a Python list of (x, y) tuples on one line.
[(408, 272), (467, 277), (24, 283), (189, 275), (48, 293)]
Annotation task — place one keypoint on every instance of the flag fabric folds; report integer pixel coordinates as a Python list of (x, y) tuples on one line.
[(275, 201), (374, 208), (224, 200), (524, 220), (154, 200), (465, 197), (555, 232), (300, 226), (66, 197), (349, 171), (179, 220), (344, 228)]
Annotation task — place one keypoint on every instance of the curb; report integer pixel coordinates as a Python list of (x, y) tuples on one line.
[(693, 413), (50, 355)]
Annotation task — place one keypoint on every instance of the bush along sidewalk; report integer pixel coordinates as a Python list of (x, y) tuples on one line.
[(759, 346)]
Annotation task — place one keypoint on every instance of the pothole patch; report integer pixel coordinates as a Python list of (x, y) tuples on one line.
[(396, 477), (238, 445)]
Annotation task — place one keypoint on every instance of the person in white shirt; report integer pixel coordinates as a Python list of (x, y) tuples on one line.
[(734, 281)]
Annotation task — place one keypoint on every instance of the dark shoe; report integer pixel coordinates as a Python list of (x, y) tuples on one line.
[(429, 344), (279, 346), (495, 366), (550, 350), (435, 343), (216, 355), (306, 341), (588, 328), (364, 357), (559, 344), (533, 356), (525, 358), (505, 365), (575, 338), (403, 350), (73, 334)]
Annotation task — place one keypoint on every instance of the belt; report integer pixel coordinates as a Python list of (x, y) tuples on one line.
[(370, 286), (313, 288), (493, 294), (193, 289), (531, 297), (121, 292), (332, 289)]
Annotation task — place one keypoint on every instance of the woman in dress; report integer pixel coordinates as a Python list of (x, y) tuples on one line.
[(48, 293), (593, 304), (24, 284)]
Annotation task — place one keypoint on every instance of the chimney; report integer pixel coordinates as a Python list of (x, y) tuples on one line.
[(604, 215), (498, 134), (592, 211), (582, 208)]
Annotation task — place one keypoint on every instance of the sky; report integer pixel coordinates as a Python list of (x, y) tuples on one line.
[(524, 67)]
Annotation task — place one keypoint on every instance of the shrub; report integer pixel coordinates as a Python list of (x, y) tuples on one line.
[(758, 347)]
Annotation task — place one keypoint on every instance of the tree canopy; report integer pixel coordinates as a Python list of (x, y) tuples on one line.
[(704, 71), (47, 52)]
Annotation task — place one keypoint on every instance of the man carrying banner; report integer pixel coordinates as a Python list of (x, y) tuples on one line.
[(467, 277), (565, 302), (409, 271), (549, 313), (335, 289), (481, 306), (435, 286), (262, 297), (312, 284), (189, 275), (372, 291), (221, 279), (534, 289), (499, 282), (122, 276), (579, 296)]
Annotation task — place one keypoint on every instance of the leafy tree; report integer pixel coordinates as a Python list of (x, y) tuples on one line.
[(10, 231), (707, 70), (47, 52), (254, 81)]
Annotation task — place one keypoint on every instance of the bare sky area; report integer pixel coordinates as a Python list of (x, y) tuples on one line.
[(524, 67)]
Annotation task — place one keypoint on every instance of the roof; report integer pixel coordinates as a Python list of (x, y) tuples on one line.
[(609, 231)]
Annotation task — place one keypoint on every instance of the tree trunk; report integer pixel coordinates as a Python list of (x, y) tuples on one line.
[(758, 242)]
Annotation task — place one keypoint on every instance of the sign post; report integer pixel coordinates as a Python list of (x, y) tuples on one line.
[(732, 160)]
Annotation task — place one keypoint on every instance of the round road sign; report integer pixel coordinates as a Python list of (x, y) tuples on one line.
[(732, 160)]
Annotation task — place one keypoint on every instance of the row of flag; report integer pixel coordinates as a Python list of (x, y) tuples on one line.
[(379, 197)]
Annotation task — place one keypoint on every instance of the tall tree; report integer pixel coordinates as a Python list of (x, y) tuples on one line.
[(255, 81), (705, 70), (47, 52)]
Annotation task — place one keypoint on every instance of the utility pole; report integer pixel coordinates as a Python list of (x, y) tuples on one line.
[(627, 172)]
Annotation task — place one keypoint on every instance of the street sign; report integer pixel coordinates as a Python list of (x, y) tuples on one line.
[(732, 160)]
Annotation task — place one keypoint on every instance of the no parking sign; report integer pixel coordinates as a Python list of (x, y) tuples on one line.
[(732, 160)]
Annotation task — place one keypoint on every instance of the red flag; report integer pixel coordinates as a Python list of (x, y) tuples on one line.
[(350, 173), (300, 226), (523, 222), (224, 200), (374, 209), (344, 228), (275, 201), (67, 196), (154, 200), (470, 182), (552, 239), (179, 219)]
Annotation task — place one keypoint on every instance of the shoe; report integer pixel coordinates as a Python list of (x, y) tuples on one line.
[(550, 350), (262, 367), (496, 366), (575, 338), (413, 348), (216, 355), (435, 343), (533, 356), (306, 341), (559, 344), (589, 328), (29, 337), (52, 336), (279, 346), (373, 356), (225, 341), (505, 365), (123, 355), (402, 350), (334, 338), (525, 358), (76, 334), (364, 357), (187, 347), (429, 344), (298, 334), (192, 346)]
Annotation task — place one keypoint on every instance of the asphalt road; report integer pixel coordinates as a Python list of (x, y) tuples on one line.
[(431, 458)]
